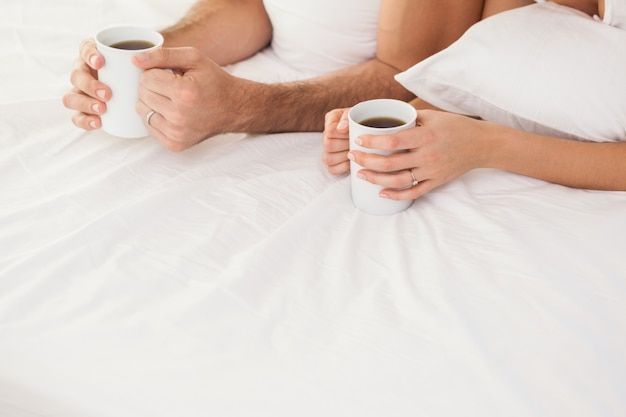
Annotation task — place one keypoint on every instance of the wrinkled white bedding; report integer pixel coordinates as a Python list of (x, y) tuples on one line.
[(237, 279)]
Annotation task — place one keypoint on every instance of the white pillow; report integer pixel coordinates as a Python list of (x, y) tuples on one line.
[(543, 68), (318, 36)]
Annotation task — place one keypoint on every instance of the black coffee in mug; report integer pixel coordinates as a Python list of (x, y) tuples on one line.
[(382, 122), (133, 45)]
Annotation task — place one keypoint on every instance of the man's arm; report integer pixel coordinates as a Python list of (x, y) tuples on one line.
[(227, 31), (408, 32), (201, 100)]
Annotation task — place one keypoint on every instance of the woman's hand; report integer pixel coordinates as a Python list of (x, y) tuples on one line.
[(336, 142), (440, 148)]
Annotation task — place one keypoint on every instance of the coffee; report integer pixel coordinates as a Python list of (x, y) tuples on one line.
[(133, 45), (382, 122)]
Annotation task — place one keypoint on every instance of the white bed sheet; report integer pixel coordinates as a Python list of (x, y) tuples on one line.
[(237, 279)]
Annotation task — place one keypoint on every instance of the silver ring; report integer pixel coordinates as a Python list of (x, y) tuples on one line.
[(149, 116), (415, 181)]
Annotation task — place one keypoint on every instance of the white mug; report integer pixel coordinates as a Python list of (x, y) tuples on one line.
[(365, 195), (121, 118)]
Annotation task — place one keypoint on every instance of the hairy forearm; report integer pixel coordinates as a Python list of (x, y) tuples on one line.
[(227, 31), (301, 105), (588, 165)]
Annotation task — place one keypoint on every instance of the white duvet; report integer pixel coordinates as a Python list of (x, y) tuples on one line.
[(237, 279)]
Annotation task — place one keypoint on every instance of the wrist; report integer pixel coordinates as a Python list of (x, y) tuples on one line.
[(496, 144), (254, 107)]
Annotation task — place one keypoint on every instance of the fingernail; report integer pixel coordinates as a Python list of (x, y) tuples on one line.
[(101, 94), (93, 124), (351, 156), (342, 124), (95, 108), (92, 60), (383, 195), (358, 141), (361, 176)]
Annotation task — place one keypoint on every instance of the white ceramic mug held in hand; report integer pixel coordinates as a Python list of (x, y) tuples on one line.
[(121, 118), (365, 195)]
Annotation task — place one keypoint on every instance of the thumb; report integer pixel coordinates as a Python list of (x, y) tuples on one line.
[(175, 58)]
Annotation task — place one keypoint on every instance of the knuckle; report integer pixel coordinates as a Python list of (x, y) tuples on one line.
[(328, 118), (398, 182), (139, 107), (67, 100), (81, 120), (187, 95), (332, 115), (86, 47), (177, 120), (143, 79), (75, 76), (327, 143), (76, 119), (385, 165), (339, 168), (393, 141), (333, 170), (174, 146), (176, 135), (92, 86)]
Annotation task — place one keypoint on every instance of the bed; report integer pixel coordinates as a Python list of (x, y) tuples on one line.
[(237, 278)]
